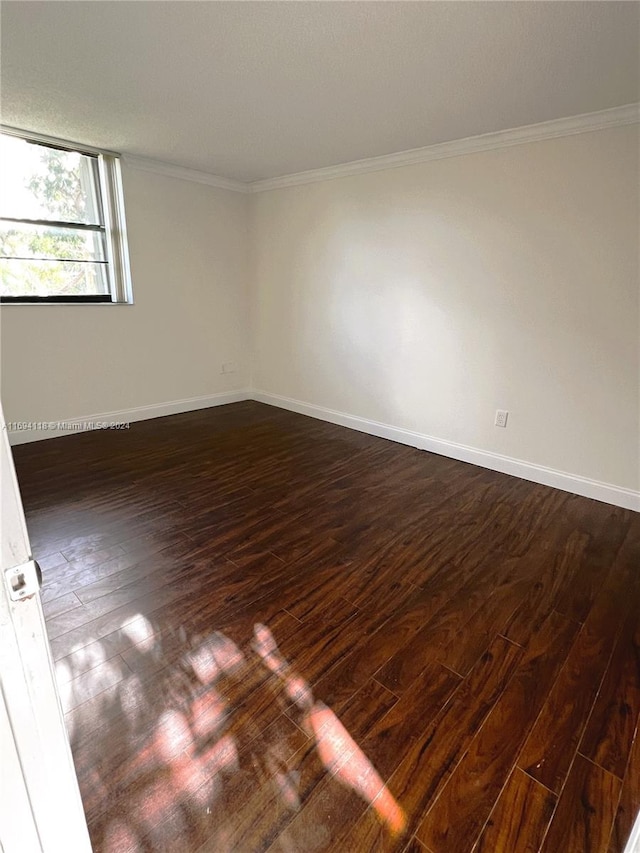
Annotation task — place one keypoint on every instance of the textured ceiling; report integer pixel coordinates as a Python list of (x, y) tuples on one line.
[(254, 90)]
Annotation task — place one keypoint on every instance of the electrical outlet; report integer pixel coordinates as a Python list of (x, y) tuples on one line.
[(228, 367), (501, 418)]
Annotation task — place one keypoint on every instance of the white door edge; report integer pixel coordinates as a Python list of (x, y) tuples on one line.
[(38, 768)]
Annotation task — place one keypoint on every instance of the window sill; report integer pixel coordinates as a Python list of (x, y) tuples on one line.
[(4, 304)]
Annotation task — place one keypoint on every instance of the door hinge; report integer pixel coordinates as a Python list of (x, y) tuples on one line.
[(23, 581)]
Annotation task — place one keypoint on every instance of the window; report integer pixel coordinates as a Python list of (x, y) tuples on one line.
[(62, 232)]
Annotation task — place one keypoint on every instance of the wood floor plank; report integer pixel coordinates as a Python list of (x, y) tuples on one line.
[(456, 818), (369, 653), (550, 748), (342, 797), (258, 816), (610, 730), (586, 810), (103, 677), (78, 574), (415, 846), (557, 568), (606, 536), (520, 817), (433, 641), (227, 589), (629, 803), (60, 605), (434, 756), (51, 561)]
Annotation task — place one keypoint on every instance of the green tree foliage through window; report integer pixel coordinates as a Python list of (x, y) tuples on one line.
[(50, 259)]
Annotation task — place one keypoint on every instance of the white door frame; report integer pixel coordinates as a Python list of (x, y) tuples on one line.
[(40, 805)]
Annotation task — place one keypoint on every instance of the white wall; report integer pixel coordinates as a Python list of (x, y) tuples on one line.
[(424, 297), (428, 296), (188, 251)]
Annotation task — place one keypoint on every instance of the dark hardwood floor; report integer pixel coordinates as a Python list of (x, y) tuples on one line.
[(276, 634)]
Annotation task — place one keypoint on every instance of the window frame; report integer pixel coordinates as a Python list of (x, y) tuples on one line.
[(110, 197)]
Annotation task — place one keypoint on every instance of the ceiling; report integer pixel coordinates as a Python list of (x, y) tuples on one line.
[(253, 90)]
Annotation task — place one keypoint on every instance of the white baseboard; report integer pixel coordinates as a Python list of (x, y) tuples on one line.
[(69, 426), (626, 498)]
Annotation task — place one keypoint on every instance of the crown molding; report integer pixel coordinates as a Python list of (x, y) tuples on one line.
[(614, 117), (172, 171)]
